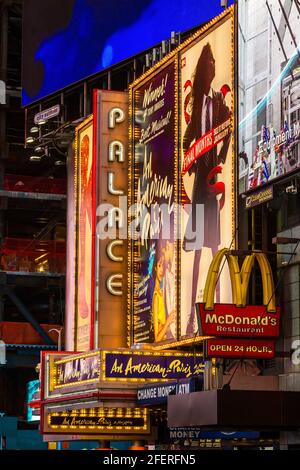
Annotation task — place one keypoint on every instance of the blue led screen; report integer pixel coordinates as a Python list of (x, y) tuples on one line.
[(67, 40), (31, 389)]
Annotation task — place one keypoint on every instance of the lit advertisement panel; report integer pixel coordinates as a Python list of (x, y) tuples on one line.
[(32, 393), (269, 92), (103, 421), (154, 174), (244, 348), (181, 159), (229, 320), (137, 366), (64, 45), (85, 215), (206, 164)]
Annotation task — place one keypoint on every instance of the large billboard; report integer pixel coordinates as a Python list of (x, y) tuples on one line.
[(154, 174), (85, 228), (207, 164), (181, 183), (64, 45), (269, 92)]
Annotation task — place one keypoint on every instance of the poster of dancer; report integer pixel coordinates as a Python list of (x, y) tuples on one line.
[(207, 166)]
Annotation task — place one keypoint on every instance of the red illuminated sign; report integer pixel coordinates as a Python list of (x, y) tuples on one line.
[(242, 348), (229, 320), (206, 143)]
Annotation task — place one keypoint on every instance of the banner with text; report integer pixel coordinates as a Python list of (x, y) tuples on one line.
[(243, 348), (128, 366), (229, 320)]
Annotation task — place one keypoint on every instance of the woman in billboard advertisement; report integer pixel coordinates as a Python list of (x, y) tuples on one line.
[(162, 319), (155, 182), (206, 163)]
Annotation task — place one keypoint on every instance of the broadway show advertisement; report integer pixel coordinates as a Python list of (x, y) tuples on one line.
[(151, 366), (269, 105), (101, 421), (76, 370), (85, 212), (153, 191), (207, 167)]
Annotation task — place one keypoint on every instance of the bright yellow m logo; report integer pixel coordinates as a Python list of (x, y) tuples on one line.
[(240, 279)]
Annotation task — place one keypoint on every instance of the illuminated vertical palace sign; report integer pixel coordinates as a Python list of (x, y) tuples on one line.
[(111, 150), (181, 182), (101, 234)]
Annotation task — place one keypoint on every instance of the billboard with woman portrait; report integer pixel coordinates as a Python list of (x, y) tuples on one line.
[(181, 183), (206, 163)]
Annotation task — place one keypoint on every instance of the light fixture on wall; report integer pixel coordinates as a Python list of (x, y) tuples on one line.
[(173, 38), (292, 189), (41, 122), (59, 335), (35, 158)]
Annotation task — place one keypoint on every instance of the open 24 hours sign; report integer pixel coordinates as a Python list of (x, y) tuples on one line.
[(247, 348)]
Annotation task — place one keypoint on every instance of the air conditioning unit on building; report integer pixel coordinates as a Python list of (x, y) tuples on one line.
[(2, 353)]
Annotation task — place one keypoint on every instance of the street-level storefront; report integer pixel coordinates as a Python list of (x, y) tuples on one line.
[(156, 301)]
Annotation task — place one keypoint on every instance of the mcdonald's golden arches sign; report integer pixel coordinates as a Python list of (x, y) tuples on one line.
[(239, 319)]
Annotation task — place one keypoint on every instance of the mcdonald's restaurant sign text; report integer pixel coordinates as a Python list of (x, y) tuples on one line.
[(229, 320)]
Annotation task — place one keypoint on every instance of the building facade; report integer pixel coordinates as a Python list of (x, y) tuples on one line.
[(169, 326)]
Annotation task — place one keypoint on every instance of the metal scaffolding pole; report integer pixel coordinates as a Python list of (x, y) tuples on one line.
[(27, 315), (289, 27), (278, 35)]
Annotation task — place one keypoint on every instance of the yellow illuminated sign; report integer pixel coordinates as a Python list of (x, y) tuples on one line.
[(122, 365), (75, 370), (240, 279), (149, 366), (103, 420)]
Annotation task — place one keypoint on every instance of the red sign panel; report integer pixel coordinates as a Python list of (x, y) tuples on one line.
[(246, 348), (206, 143), (229, 320)]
